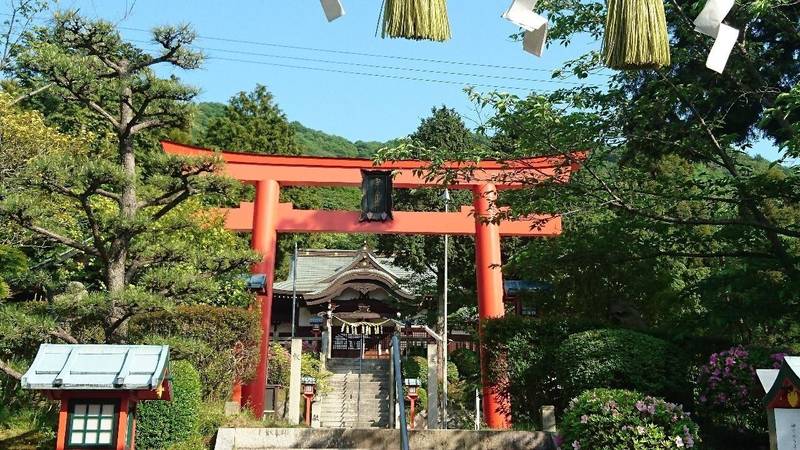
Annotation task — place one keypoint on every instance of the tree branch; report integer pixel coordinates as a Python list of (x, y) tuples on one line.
[(109, 331), (32, 93), (63, 335), (183, 195), (107, 194), (8, 370), (68, 85), (706, 220), (164, 199), (57, 237), (93, 225), (146, 124)]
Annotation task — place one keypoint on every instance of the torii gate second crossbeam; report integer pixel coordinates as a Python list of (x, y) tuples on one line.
[(266, 217)]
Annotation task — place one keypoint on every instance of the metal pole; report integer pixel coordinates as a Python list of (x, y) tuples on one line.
[(444, 333), (360, 368), (398, 388), (294, 286), (477, 409)]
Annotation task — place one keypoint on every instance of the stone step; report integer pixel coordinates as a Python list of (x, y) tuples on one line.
[(355, 387), (356, 400), (365, 400), (370, 390), (353, 414), (353, 418), (354, 390), (352, 425), (354, 380), (350, 412)]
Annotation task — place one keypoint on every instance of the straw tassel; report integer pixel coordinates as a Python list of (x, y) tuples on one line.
[(636, 35), (416, 19)]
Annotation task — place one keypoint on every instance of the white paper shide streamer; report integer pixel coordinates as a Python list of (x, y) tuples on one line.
[(709, 22), (521, 14), (333, 9)]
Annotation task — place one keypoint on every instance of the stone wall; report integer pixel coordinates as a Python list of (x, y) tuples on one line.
[(306, 438)]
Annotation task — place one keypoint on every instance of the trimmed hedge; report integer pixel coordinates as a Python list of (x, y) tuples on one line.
[(161, 424), (527, 346), (620, 359), (617, 419), (221, 340)]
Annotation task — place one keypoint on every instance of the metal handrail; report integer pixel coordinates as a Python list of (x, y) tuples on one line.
[(398, 380)]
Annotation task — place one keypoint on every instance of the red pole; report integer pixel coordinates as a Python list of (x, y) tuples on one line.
[(411, 425), (264, 241), (122, 425), (61, 436), (496, 407), (308, 410)]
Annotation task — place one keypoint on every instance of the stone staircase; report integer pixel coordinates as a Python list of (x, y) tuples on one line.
[(342, 407)]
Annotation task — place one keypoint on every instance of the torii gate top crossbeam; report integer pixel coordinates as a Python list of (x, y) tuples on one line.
[(318, 171)]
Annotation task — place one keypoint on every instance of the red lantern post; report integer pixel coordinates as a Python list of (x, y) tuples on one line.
[(412, 384), (309, 388)]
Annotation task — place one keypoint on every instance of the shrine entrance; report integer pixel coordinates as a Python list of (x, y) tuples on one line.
[(266, 216), (349, 345)]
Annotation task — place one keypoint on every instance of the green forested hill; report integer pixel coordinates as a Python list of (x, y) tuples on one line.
[(319, 143), (310, 141)]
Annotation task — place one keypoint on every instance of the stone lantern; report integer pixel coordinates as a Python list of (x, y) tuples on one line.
[(309, 389)]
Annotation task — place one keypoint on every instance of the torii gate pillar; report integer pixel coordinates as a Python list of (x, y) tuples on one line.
[(264, 241), (496, 408)]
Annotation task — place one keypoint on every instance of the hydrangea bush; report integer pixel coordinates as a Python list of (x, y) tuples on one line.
[(727, 391), (618, 419)]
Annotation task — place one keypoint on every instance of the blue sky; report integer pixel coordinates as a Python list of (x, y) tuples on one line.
[(357, 107), (353, 106)]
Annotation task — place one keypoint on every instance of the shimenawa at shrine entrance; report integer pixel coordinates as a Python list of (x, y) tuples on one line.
[(267, 216)]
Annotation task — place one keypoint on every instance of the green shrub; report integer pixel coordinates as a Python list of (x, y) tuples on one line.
[(161, 424), (279, 365), (615, 419), (416, 367), (221, 340), (521, 351), (195, 442), (620, 359), (468, 364), (310, 366), (727, 397)]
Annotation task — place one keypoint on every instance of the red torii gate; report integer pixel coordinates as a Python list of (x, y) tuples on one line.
[(266, 217)]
